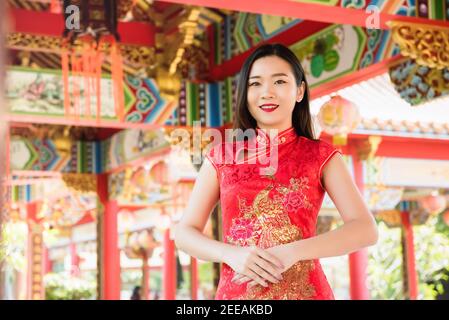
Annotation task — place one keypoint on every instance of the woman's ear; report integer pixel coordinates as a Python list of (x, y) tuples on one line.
[(301, 90)]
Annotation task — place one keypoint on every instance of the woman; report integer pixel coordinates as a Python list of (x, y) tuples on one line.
[(136, 293), (270, 250)]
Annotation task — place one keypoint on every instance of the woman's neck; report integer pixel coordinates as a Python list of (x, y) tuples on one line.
[(277, 129)]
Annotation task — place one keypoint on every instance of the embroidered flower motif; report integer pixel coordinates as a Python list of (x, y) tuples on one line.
[(301, 183), (243, 232), (293, 201)]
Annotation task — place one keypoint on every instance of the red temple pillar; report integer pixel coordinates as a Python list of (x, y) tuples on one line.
[(412, 276), (169, 267), (48, 264), (75, 261), (145, 278), (193, 278), (358, 261), (108, 236)]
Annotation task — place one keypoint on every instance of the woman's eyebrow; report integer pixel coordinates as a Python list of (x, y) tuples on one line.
[(273, 75)]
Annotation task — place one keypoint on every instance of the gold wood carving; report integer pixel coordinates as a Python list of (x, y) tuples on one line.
[(31, 42), (80, 182), (137, 56), (428, 45)]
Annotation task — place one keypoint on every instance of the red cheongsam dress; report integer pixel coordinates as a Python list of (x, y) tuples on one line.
[(274, 207)]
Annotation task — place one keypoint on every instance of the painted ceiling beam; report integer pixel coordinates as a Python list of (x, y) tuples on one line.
[(392, 6), (16, 119), (288, 37), (308, 11), (354, 77), (52, 24)]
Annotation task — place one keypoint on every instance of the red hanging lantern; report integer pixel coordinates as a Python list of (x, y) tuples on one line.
[(159, 173), (339, 117), (90, 33), (140, 244), (433, 204)]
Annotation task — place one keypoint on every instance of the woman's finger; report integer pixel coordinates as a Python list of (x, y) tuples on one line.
[(236, 277), (269, 268), (243, 279), (254, 276), (262, 273), (270, 258)]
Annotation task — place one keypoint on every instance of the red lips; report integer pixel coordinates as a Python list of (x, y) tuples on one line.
[(269, 107)]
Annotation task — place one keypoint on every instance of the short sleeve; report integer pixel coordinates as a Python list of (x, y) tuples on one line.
[(326, 152), (215, 155)]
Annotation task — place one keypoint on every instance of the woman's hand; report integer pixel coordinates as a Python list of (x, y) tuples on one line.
[(285, 253), (281, 252), (256, 264)]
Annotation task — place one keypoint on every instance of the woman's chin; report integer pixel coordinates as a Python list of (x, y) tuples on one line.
[(262, 123)]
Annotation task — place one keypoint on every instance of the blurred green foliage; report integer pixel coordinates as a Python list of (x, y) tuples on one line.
[(385, 261)]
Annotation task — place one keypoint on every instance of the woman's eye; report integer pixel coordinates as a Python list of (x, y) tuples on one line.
[(280, 81), (253, 84)]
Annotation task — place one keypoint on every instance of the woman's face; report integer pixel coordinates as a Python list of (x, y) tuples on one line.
[(272, 93)]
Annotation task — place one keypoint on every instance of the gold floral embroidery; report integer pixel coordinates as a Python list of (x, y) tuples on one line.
[(295, 285), (266, 223)]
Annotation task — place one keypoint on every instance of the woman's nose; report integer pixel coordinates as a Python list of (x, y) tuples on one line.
[(268, 93)]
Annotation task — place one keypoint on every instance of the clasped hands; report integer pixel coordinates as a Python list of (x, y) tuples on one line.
[(258, 265)]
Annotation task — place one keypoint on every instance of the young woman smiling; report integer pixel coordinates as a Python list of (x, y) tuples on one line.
[(270, 249)]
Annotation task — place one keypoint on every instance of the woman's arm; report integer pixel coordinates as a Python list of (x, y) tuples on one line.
[(358, 231), (254, 262), (189, 235)]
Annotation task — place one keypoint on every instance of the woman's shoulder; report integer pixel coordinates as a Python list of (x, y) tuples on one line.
[(220, 153), (315, 143), (319, 147)]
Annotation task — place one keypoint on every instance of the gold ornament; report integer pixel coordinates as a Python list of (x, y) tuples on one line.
[(80, 182), (63, 143), (169, 84), (428, 45), (134, 55), (369, 147)]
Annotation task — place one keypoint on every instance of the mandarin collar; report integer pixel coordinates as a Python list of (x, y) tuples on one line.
[(286, 135)]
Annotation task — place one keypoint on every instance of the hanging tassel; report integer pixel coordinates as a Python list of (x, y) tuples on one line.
[(87, 75), (98, 58), (65, 77), (117, 78), (94, 69), (76, 68), (78, 88), (111, 60), (86, 79), (73, 84), (121, 92)]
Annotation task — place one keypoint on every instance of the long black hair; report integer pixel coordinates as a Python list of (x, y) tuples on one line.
[(301, 117)]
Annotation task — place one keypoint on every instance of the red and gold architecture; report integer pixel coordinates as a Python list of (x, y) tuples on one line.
[(92, 109)]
